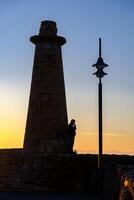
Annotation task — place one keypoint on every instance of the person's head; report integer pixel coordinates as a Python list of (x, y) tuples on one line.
[(72, 121)]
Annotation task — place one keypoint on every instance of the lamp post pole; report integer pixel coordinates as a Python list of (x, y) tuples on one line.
[(100, 178), (100, 65)]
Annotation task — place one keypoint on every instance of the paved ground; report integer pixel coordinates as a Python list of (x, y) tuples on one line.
[(44, 196)]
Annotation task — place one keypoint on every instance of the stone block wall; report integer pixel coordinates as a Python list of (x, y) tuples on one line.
[(59, 173), (10, 161), (25, 172)]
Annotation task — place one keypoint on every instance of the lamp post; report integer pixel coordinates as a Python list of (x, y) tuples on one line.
[(100, 65)]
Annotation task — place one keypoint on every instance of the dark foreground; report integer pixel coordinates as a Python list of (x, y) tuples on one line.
[(45, 196)]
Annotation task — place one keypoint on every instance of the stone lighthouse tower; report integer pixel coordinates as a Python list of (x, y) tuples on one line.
[(47, 112)]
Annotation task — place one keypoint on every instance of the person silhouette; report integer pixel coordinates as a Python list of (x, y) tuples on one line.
[(70, 135)]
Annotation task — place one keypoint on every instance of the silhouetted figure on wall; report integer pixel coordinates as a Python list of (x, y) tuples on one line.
[(70, 135)]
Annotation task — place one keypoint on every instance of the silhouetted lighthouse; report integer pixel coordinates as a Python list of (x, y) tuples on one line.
[(47, 112)]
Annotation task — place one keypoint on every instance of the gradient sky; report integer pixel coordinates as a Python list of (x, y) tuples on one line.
[(81, 22)]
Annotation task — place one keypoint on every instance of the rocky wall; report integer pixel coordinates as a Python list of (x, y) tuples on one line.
[(59, 173)]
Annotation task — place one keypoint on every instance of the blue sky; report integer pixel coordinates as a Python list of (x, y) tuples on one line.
[(81, 22)]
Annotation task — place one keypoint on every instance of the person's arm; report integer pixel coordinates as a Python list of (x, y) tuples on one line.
[(75, 127)]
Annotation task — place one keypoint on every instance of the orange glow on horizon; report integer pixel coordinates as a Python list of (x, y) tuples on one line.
[(112, 144), (83, 143), (13, 119)]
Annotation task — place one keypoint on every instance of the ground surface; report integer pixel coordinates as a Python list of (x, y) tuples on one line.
[(44, 196)]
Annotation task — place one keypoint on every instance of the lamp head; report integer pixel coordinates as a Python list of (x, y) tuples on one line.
[(100, 73), (100, 65)]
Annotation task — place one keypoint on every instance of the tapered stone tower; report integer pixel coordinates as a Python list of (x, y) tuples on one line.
[(47, 112)]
